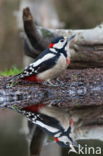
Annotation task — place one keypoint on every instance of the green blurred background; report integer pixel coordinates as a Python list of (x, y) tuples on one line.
[(78, 14)]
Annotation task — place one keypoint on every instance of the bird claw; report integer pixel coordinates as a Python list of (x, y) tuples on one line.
[(9, 85), (60, 82), (57, 84), (49, 83)]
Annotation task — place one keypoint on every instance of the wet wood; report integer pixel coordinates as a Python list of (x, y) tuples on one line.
[(77, 88), (86, 50)]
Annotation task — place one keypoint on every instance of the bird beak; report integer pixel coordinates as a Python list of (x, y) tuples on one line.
[(71, 37)]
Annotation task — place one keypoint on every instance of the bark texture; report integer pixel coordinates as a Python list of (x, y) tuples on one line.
[(77, 88)]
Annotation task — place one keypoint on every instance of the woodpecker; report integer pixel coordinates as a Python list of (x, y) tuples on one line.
[(53, 121), (50, 63)]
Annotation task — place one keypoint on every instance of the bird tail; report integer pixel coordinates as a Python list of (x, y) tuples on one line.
[(12, 81)]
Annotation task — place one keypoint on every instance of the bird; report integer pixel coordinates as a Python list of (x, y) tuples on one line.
[(55, 122), (49, 64)]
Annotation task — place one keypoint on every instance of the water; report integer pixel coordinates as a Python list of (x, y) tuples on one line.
[(12, 141), (78, 92)]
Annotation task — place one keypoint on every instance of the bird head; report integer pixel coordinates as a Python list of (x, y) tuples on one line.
[(61, 42), (65, 138), (65, 141)]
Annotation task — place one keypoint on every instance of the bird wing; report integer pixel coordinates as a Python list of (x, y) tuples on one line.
[(49, 124), (40, 65)]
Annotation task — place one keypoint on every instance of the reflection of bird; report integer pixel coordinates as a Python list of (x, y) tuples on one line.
[(54, 121), (49, 64)]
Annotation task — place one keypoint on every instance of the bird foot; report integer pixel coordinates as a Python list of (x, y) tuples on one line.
[(9, 85), (49, 83), (57, 83), (60, 83)]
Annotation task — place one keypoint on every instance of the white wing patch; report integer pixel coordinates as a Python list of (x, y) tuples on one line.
[(49, 128), (46, 57), (53, 50)]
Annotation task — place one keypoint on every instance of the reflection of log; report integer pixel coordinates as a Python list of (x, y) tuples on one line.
[(87, 51), (37, 142)]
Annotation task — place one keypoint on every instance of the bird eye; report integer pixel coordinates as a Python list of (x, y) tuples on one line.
[(62, 40)]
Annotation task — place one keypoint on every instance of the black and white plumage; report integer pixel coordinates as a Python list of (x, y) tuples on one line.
[(50, 63), (54, 122)]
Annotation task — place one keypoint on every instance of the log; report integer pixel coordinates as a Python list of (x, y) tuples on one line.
[(86, 50), (77, 88)]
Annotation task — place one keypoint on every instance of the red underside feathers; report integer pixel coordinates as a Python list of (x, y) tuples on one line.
[(34, 108), (68, 61), (32, 78)]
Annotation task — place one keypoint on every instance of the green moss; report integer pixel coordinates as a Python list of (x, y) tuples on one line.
[(13, 71)]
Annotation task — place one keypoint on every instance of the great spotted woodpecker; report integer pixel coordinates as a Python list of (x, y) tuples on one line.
[(54, 121), (49, 64)]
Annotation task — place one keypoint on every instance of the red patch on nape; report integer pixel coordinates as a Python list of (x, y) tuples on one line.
[(32, 78), (68, 61), (34, 108), (51, 45), (56, 139)]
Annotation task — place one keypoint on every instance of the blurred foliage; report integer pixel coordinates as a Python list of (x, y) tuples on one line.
[(13, 71), (80, 13)]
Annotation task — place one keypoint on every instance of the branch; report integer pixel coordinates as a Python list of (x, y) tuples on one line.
[(33, 42), (87, 50), (78, 88)]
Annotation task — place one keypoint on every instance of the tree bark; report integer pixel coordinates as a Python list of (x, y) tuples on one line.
[(86, 50), (77, 88)]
